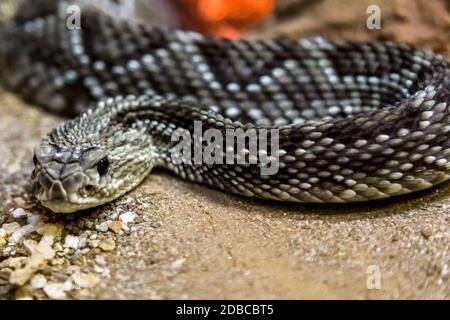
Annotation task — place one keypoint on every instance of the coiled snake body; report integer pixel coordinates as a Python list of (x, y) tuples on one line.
[(356, 120)]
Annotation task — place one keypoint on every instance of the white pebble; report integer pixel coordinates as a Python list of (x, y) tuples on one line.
[(177, 264), (102, 227), (100, 260), (127, 217), (19, 234), (18, 213), (71, 242), (55, 290), (29, 245), (68, 285), (38, 281), (10, 228), (98, 269), (34, 220), (85, 280)]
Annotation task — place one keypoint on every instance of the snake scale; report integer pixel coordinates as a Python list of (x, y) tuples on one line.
[(357, 121)]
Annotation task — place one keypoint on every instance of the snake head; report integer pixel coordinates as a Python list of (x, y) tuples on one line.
[(91, 160), (68, 179)]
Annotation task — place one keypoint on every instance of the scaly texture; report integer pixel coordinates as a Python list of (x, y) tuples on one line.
[(357, 121)]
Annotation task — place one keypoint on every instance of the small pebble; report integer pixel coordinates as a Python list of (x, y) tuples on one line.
[(89, 224), (57, 261), (115, 226), (127, 217), (177, 264), (102, 227), (71, 241), (73, 269), (68, 285), (34, 220), (426, 232), (20, 233), (93, 243), (18, 213), (3, 242), (19, 201), (29, 245), (17, 263), (38, 281), (3, 234), (445, 270), (82, 243), (55, 290), (113, 215), (107, 245), (100, 260), (10, 228), (85, 280), (106, 273), (98, 269)]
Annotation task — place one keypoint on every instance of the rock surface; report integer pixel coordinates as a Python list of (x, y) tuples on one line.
[(179, 240)]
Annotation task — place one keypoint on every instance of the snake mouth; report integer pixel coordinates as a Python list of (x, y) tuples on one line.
[(63, 196)]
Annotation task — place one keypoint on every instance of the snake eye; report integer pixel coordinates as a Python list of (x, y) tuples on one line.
[(35, 160), (102, 166)]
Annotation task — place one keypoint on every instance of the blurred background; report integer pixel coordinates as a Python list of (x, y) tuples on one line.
[(425, 23)]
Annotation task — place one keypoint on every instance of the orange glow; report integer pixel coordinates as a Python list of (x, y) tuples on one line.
[(212, 10), (227, 18)]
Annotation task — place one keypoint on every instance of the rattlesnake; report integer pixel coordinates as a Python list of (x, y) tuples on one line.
[(355, 121)]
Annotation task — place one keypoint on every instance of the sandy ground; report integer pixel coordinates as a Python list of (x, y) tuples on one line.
[(189, 241)]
